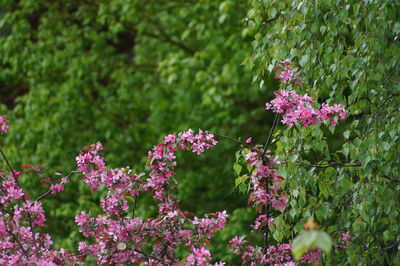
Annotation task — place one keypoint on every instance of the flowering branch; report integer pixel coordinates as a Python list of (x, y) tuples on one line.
[(23, 196), (51, 191)]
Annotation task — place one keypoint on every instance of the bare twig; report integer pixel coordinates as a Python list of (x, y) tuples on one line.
[(270, 136), (237, 141), (332, 164)]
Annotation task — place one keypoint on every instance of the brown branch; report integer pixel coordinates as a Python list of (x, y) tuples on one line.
[(332, 164), (270, 136), (168, 39), (264, 162), (237, 141), (165, 37)]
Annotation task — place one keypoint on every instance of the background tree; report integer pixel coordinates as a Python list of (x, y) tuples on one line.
[(126, 73)]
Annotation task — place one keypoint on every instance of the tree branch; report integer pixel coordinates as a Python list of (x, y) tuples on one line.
[(49, 192)]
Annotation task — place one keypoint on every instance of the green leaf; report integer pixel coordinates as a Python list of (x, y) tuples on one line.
[(309, 240), (241, 179), (272, 12), (282, 171), (238, 168), (324, 242)]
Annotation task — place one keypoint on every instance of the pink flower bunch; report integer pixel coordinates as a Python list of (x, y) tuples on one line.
[(9, 189), (261, 222), (286, 74), (19, 244), (3, 124), (297, 108), (207, 226), (123, 239), (34, 209), (162, 163), (312, 256), (276, 255), (117, 236), (55, 188), (264, 176), (91, 165), (199, 257), (346, 238)]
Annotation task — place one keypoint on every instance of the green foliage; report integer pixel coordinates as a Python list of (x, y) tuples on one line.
[(348, 52)]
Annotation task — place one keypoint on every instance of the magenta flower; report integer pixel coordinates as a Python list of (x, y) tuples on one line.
[(3, 124), (296, 108)]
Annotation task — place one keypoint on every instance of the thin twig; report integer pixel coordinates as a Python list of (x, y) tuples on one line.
[(270, 136), (264, 162), (237, 141), (332, 164)]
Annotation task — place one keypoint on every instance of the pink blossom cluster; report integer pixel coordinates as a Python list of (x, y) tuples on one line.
[(162, 163), (297, 108), (346, 238), (55, 188), (266, 183), (3, 124), (254, 255), (199, 257), (276, 255), (207, 226), (123, 239), (91, 165), (19, 216), (261, 222), (9, 189), (286, 74)]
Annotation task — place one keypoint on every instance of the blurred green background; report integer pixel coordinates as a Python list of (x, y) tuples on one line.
[(127, 72)]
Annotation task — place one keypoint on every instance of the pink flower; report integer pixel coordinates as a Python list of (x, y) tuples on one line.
[(296, 108), (3, 124), (261, 222), (346, 237), (198, 256), (56, 188), (286, 74), (81, 219), (312, 256), (237, 242), (249, 140)]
